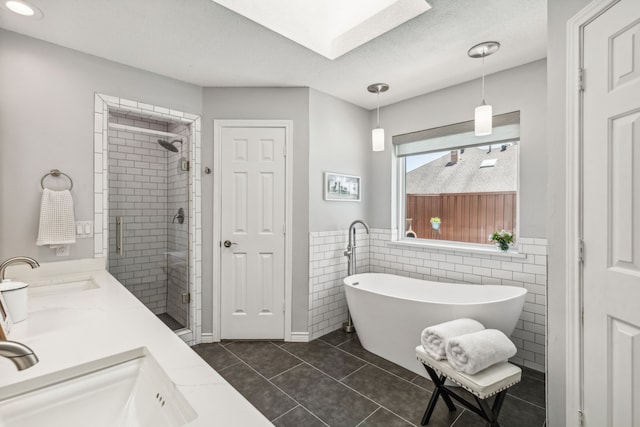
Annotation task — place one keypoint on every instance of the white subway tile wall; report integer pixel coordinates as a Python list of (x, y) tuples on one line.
[(138, 193), (177, 233), (528, 269), (327, 269)]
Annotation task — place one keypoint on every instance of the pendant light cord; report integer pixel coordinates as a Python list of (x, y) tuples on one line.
[(483, 55), (378, 109)]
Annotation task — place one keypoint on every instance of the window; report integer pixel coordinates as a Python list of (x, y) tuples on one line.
[(457, 187)]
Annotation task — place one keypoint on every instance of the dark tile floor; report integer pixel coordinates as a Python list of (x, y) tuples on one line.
[(171, 323), (334, 382)]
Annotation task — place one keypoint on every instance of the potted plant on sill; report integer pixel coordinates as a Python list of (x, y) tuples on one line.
[(435, 223), (502, 238)]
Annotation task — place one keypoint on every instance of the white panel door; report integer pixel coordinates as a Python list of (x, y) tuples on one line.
[(611, 174), (252, 225)]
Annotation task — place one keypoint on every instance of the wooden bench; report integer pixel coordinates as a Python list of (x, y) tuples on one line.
[(494, 380)]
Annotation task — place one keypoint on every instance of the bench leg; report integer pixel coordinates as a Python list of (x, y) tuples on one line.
[(439, 391), (491, 414)]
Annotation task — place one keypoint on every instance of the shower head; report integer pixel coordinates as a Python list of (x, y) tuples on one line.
[(169, 145)]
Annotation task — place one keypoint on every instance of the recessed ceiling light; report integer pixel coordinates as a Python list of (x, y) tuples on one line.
[(24, 8)]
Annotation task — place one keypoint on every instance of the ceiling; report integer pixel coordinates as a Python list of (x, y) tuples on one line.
[(329, 27), (201, 42)]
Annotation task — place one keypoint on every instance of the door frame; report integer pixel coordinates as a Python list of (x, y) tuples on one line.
[(574, 208), (103, 105), (218, 126)]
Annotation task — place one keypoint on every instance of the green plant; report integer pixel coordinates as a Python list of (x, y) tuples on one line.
[(435, 219), (502, 238)]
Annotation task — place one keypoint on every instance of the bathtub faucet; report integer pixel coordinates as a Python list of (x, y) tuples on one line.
[(350, 253)]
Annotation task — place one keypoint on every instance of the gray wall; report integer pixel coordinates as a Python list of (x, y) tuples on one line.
[(46, 122), (558, 13), (262, 104), (339, 141), (522, 88)]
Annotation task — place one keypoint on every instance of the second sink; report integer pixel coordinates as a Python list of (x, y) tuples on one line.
[(127, 389)]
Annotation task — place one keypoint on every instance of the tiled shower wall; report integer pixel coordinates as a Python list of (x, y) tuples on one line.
[(138, 178), (104, 106), (178, 234), (527, 269)]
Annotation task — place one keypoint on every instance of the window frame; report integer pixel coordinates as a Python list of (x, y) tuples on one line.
[(398, 196)]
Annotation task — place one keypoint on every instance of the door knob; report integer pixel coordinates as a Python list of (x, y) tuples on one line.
[(228, 243)]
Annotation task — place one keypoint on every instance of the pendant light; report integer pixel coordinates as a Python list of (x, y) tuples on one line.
[(377, 134), (484, 113)]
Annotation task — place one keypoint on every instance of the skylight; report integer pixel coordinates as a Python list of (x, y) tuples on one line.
[(328, 27), (488, 163)]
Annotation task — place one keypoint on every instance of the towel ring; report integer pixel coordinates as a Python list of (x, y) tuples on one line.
[(56, 173)]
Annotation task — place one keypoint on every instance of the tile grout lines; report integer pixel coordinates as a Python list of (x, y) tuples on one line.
[(299, 406), (417, 375), (368, 416), (376, 366), (525, 401), (354, 390), (278, 388), (340, 381)]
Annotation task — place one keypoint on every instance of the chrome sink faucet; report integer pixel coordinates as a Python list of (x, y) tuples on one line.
[(17, 259), (21, 355)]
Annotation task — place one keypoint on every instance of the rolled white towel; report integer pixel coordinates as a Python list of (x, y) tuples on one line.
[(434, 337), (471, 353)]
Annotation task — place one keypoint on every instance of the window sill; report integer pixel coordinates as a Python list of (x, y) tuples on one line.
[(457, 247)]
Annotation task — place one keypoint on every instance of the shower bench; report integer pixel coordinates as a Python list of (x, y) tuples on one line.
[(495, 380)]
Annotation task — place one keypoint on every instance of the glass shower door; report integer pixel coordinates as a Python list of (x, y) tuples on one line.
[(148, 215)]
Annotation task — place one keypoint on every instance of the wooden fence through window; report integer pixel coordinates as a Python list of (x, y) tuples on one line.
[(465, 217)]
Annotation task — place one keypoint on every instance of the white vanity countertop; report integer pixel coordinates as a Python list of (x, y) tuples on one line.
[(71, 328)]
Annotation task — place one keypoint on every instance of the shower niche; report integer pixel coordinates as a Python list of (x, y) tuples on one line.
[(149, 194)]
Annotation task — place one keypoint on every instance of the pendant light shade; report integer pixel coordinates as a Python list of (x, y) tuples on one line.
[(377, 134), (483, 117), (377, 139), (483, 120)]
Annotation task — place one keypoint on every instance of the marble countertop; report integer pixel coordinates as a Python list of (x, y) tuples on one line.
[(70, 328)]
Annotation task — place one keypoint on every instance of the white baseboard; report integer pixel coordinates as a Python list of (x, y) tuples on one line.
[(207, 338), (299, 336)]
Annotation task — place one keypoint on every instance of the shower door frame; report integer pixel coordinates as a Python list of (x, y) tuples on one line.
[(103, 105)]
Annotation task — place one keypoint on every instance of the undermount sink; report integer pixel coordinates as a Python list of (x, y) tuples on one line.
[(127, 389), (63, 286)]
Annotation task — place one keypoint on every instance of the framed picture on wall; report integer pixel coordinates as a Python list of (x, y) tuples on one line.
[(5, 319), (341, 187)]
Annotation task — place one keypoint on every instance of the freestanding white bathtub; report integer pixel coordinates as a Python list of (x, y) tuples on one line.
[(389, 312)]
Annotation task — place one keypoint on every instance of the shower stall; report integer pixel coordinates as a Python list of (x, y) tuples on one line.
[(148, 203)]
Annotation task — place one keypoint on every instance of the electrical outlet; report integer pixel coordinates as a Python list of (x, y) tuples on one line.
[(62, 250), (84, 229)]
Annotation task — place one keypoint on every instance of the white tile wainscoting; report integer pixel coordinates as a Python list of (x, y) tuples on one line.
[(327, 268), (377, 253)]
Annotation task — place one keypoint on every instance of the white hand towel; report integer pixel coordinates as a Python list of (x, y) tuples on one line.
[(57, 222), (471, 353), (434, 337)]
